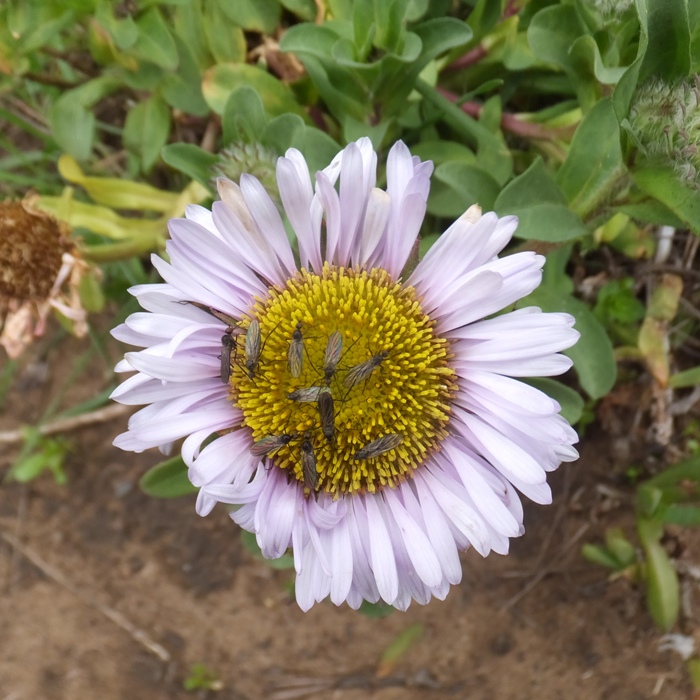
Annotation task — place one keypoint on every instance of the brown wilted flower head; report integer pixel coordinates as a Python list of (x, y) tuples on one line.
[(40, 270)]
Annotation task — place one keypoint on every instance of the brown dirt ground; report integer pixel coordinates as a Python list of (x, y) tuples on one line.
[(541, 623)]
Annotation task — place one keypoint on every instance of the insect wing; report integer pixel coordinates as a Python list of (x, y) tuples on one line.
[(333, 349), (308, 395), (308, 463), (326, 412), (252, 346), (295, 354), (379, 446), (268, 444)]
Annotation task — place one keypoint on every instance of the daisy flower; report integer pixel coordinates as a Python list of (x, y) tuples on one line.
[(363, 415)]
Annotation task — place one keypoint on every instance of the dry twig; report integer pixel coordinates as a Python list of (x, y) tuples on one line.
[(111, 614)]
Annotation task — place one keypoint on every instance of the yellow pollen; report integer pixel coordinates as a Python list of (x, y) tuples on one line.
[(405, 390)]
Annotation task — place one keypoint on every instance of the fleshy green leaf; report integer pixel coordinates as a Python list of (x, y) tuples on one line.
[(244, 116), (683, 380), (663, 184), (663, 596), (225, 41), (221, 80), (155, 43), (535, 198), (146, 130), (594, 162), (593, 356), (190, 160), (570, 400), (167, 480), (464, 185), (253, 15)]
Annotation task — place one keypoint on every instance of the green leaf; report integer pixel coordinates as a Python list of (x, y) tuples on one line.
[(146, 130), (318, 147), (190, 160), (183, 89), (535, 198), (225, 41), (188, 21), (663, 184), (221, 80), (683, 380), (281, 132), (570, 400), (599, 555), (593, 356), (73, 126), (339, 87), (662, 580), (443, 151), (376, 611), (685, 516), (668, 52), (687, 470), (155, 43), (551, 33), (244, 116), (493, 154), (304, 9), (167, 480), (464, 185), (253, 15), (594, 162)]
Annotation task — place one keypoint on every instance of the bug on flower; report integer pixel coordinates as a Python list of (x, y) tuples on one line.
[(308, 394), (364, 370), (308, 464), (228, 347), (331, 357), (295, 354), (252, 348), (435, 458), (269, 444), (326, 412), (228, 320), (379, 446)]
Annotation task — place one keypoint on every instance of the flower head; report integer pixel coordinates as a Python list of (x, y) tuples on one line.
[(364, 419), (40, 270)]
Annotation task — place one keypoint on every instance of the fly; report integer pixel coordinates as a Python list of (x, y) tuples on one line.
[(379, 446), (364, 370), (295, 354), (331, 357), (228, 346), (309, 394), (252, 347), (308, 463), (326, 412), (269, 444)]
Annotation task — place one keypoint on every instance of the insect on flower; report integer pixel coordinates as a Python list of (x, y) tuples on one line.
[(332, 355), (364, 370), (308, 463), (326, 412), (252, 347), (269, 444), (228, 346), (295, 354), (308, 394), (379, 446)]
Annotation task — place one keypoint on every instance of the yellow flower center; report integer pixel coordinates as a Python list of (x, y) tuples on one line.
[(391, 378)]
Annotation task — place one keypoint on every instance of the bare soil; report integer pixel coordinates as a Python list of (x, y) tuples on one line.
[(108, 594)]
